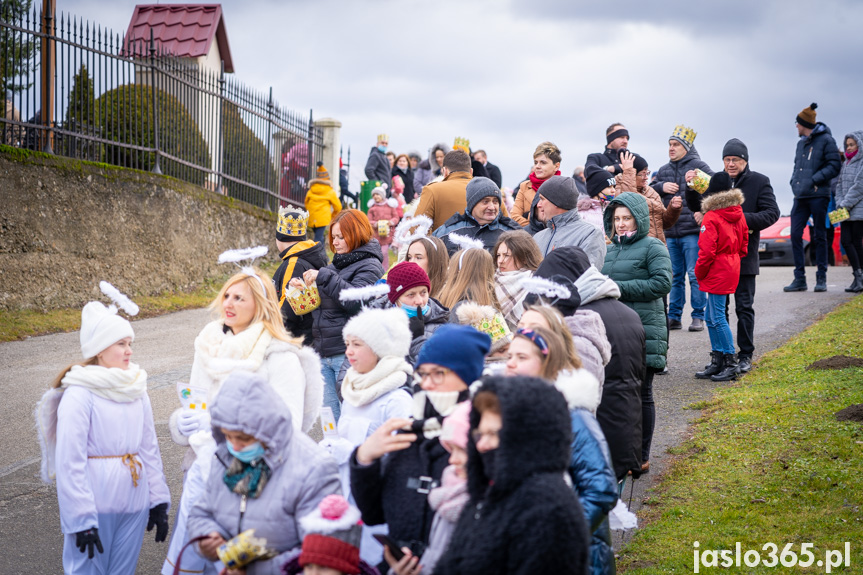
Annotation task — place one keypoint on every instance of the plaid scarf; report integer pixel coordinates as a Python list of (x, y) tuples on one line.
[(510, 294)]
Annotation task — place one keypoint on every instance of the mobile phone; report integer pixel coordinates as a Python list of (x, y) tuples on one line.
[(395, 550)]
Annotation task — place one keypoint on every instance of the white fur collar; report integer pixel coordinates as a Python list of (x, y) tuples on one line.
[(580, 388)]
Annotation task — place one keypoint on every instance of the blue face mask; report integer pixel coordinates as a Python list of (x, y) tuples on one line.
[(249, 453), (411, 310), (382, 149)]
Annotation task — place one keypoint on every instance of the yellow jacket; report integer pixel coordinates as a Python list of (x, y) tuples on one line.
[(322, 203)]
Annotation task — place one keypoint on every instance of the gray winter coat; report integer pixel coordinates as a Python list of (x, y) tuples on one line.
[(568, 229), (378, 168), (849, 188), (675, 172), (302, 473)]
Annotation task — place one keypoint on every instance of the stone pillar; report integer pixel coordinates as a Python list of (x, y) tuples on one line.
[(331, 129)]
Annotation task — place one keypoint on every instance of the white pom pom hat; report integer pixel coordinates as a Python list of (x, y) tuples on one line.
[(101, 328), (385, 331)]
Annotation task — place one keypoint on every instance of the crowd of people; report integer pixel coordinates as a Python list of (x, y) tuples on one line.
[(483, 391)]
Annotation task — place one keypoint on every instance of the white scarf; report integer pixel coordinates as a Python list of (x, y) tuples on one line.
[(112, 383), (443, 402), (223, 353), (511, 294), (390, 373)]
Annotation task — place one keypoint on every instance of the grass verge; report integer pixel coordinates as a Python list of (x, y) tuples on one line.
[(766, 463), (19, 324)]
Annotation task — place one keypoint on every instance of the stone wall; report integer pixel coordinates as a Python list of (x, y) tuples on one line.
[(65, 225)]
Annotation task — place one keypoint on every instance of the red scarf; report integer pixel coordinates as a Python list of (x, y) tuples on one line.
[(535, 182)]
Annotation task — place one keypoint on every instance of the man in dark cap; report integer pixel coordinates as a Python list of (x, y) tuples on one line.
[(558, 207)]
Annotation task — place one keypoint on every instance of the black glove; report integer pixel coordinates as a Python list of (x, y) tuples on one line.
[(159, 520), (86, 540), (417, 324)]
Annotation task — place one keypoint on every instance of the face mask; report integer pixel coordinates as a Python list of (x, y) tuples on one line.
[(488, 463), (849, 155), (382, 149), (411, 310), (249, 453)]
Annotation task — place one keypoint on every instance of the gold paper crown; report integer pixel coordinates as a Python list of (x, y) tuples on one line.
[(462, 144), (383, 138), (242, 550), (685, 134), (495, 327), (292, 221)]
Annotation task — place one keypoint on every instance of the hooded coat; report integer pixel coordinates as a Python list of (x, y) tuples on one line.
[(322, 203), (332, 315), (815, 163), (619, 412), (723, 241), (759, 208), (641, 267), (590, 465), (378, 167), (568, 229), (849, 189), (302, 473), (427, 170), (297, 259), (675, 172), (524, 519)]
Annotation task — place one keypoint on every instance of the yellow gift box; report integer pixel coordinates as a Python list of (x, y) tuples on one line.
[(839, 215), (304, 301), (700, 182)]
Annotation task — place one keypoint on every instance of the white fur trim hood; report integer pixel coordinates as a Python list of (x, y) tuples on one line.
[(580, 388)]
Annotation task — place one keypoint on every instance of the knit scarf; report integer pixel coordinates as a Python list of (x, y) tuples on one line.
[(450, 498), (390, 373), (113, 383), (341, 261), (511, 294), (222, 353), (247, 478), (430, 407), (535, 182)]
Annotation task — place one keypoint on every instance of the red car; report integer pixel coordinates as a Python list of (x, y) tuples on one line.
[(775, 246)]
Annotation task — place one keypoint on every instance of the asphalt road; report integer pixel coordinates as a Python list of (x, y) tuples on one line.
[(30, 537)]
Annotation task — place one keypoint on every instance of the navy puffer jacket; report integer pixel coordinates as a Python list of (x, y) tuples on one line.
[(675, 172), (332, 315), (815, 164)]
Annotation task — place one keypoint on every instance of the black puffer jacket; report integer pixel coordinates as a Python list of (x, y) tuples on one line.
[(297, 259), (522, 518), (759, 208), (378, 167), (619, 412), (332, 315), (675, 172), (604, 159), (408, 178)]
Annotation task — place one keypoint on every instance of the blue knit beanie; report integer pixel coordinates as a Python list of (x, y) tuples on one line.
[(460, 348)]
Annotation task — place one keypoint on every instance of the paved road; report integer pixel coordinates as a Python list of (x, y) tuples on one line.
[(30, 537)]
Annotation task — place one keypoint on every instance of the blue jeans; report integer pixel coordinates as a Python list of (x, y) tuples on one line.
[(800, 212), (319, 233), (330, 367), (684, 254), (721, 339)]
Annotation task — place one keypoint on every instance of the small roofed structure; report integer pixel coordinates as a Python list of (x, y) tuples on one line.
[(194, 31)]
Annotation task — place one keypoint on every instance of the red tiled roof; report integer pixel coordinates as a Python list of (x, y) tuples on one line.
[(181, 29)]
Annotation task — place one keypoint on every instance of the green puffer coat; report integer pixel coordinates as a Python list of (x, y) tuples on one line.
[(641, 267)]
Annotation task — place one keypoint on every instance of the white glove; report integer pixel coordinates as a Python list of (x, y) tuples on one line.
[(189, 422)]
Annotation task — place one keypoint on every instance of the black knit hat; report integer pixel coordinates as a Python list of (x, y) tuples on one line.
[(735, 147), (640, 163), (597, 179)]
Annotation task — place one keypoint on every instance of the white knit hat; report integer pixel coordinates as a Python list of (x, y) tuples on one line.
[(385, 331), (101, 327)]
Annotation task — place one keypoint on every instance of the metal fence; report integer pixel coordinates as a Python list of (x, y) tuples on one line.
[(75, 89)]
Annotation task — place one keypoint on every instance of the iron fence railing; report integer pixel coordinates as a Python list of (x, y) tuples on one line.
[(75, 89)]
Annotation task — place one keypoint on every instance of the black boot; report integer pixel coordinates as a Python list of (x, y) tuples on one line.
[(714, 367), (857, 285), (730, 369), (744, 363)]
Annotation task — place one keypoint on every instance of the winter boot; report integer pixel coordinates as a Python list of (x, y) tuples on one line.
[(711, 369), (796, 285), (857, 285), (820, 284), (744, 363), (730, 368)]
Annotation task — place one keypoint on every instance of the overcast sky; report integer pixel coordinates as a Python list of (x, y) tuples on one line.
[(511, 74)]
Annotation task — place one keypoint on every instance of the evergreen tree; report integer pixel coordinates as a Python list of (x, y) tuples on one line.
[(81, 111)]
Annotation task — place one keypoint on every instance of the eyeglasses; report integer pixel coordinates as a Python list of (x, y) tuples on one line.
[(732, 160), (476, 434), (436, 376)]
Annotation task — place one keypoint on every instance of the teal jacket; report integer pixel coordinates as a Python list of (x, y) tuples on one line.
[(641, 267)]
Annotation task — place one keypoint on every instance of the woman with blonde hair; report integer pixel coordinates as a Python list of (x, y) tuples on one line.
[(516, 258), (248, 335), (470, 278)]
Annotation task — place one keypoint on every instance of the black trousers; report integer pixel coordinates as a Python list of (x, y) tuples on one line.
[(744, 298), (851, 237)]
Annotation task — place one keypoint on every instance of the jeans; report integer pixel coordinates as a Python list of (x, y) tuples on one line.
[(319, 233), (330, 367), (800, 212), (721, 339), (684, 254)]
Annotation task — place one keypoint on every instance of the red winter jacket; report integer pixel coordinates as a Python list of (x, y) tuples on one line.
[(724, 240)]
